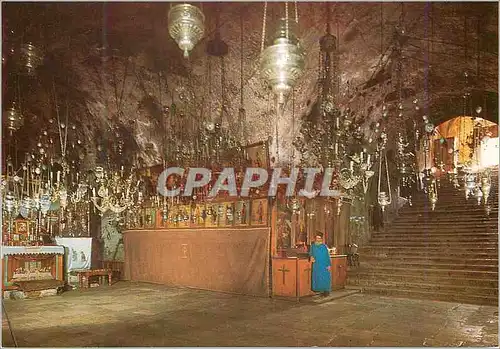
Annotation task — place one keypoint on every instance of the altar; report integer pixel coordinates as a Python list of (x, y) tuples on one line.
[(234, 260), (30, 268)]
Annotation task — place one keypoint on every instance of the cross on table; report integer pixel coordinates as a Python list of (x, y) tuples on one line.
[(308, 270), (284, 270)]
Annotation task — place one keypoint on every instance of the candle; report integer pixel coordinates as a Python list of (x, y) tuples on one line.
[(351, 165), (368, 159), (93, 192), (58, 176)]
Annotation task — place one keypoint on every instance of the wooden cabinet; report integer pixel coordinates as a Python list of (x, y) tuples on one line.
[(291, 277), (339, 271)]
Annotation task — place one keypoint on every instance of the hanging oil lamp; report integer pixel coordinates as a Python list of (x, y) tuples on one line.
[(28, 58), (13, 118), (186, 25), (384, 197), (486, 188), (282, 63)]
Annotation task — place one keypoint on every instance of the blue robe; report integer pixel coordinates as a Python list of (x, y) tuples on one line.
[(321, 277)]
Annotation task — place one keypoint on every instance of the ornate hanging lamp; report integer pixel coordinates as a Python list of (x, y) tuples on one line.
[(28, 58), (186, 25), (282, 63), (13, 118), (384, 197)]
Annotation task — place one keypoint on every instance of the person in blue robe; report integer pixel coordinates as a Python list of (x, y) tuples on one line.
[(321, 265)]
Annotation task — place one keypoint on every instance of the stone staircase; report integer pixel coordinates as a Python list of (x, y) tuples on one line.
[(448, 254)]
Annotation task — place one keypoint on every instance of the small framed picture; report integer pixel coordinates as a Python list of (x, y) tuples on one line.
[(242, 213), (259, 212)]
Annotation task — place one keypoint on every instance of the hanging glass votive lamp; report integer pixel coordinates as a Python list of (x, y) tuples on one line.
[(186, 25), (28, 58), (282, 63), (13, 118)]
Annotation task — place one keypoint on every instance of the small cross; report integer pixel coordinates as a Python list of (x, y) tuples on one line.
[(283, 270)]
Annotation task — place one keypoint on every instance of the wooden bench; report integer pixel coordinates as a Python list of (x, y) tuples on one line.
[(115, 266), (85, 275)]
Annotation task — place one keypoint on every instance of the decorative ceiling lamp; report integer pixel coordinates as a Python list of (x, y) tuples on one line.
[(186, 25), (282, 63), (13, 118)]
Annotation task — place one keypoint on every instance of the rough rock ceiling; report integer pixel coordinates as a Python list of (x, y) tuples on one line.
[(109, 62)]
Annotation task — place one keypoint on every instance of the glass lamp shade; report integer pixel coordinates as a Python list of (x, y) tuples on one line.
[(282, 63), (13, 118), (28, 58), (383, 200), (186, 25)]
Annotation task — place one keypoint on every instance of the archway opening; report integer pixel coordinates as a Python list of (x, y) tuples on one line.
[(463, 142)]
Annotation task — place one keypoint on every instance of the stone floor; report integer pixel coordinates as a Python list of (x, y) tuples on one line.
[(139, 314)]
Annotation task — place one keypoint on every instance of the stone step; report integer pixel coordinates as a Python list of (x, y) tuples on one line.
[(447, 212), (446, 273), (432, 295), (472, 211), (488, 291), (426, 226), (436, 237), (426, 253), (460, 261), (430, 231), (376, 263), (371, 276), (433, 249), (432, 244)]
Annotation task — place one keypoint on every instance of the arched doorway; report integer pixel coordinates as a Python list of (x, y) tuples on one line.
[(462, 141), (466, 141)]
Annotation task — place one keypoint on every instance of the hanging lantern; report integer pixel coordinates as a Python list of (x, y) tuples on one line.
[(186, 25), (28, 58), (470, 184), (282, 63), (433, 198), (13, 118), (384, 197), (11, 204), (485, 188), (479, 195), (383, 200)]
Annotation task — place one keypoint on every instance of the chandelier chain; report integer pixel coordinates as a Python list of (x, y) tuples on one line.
[(262, 44), (286, 20), (296, 13)]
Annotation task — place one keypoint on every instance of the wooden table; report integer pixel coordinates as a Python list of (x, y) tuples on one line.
[(85, 275)]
